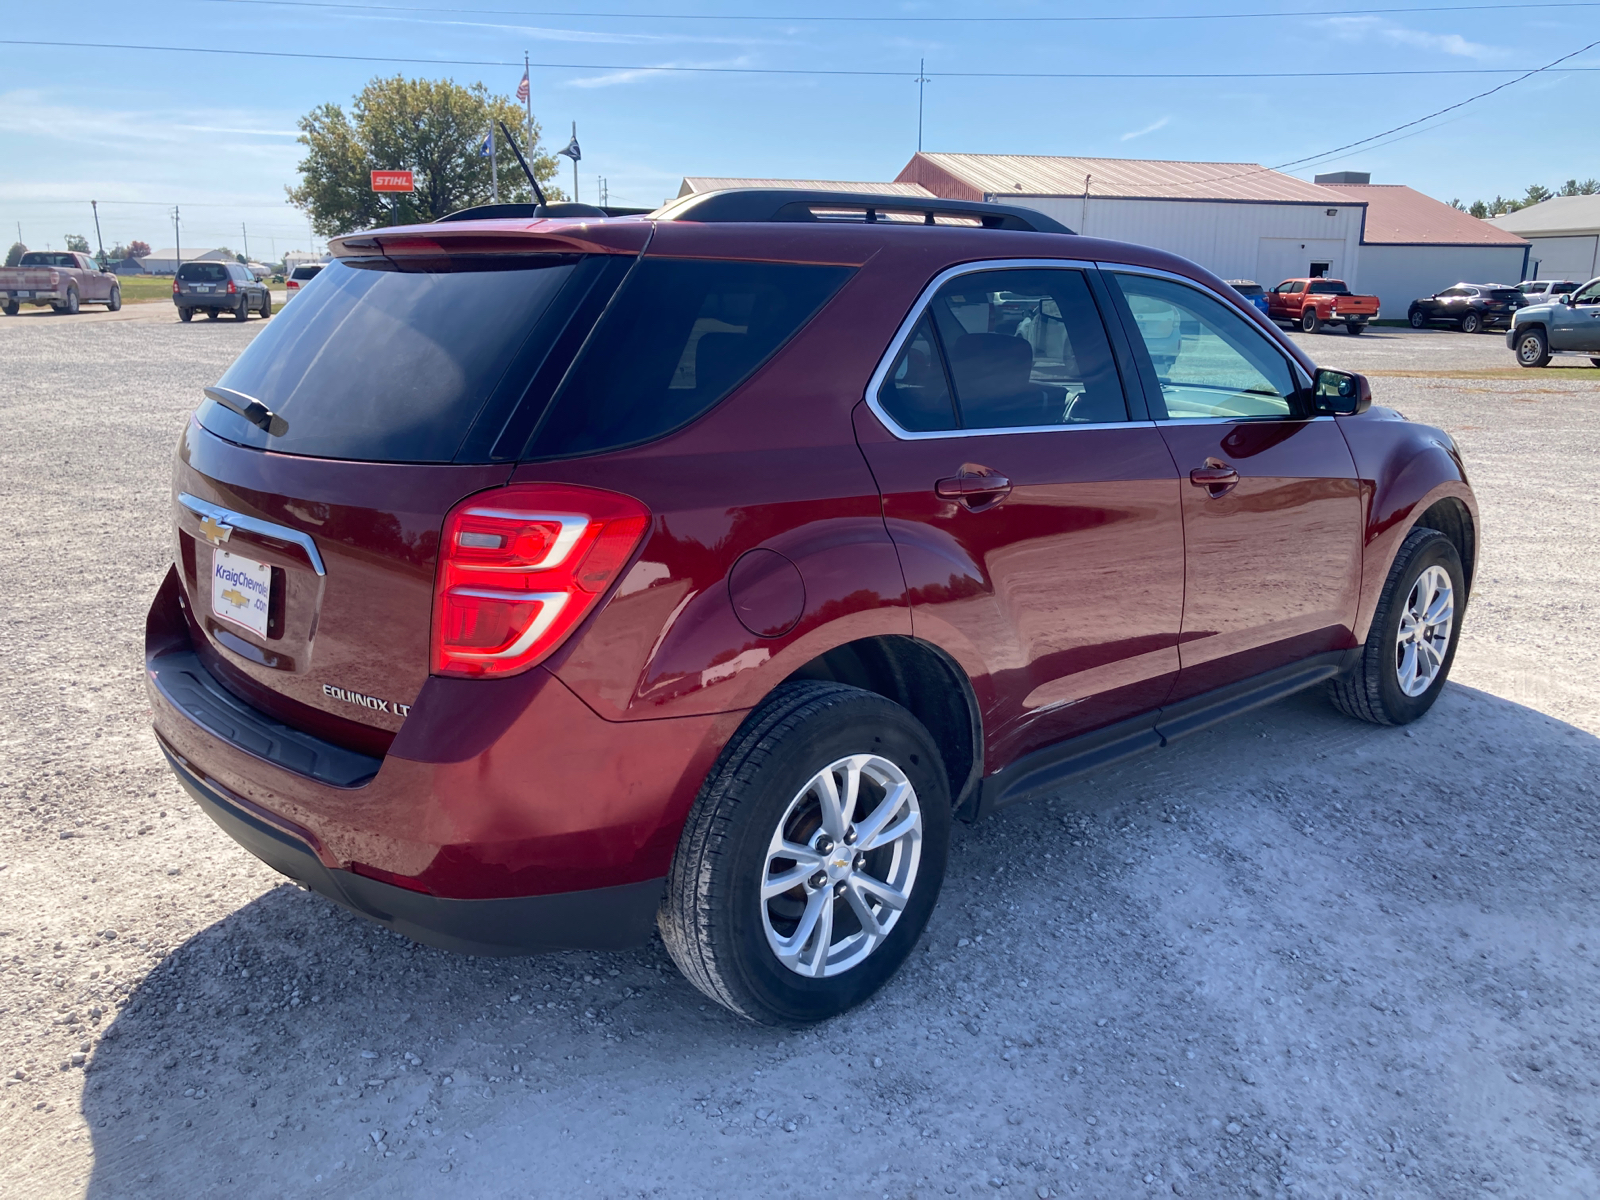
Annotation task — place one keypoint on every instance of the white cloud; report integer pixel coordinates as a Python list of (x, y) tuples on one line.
[(1150, 128), (613, 78), (1360, 29)]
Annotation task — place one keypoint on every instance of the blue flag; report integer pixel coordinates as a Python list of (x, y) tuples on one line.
[(487, 149)]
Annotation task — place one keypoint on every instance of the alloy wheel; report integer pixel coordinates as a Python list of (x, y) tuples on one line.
[(1424, 636), (841, 865)]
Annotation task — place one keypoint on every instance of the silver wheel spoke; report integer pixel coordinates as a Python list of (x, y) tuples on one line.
[(791, 948), (895, 832), (777, 885), (1440, 610), (823, 942), (881, 891), (1408, 666), (833, 817), (863, 911), (867, 829)]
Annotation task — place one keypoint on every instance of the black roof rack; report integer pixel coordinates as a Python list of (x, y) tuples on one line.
[(490, 212), (794, 204)]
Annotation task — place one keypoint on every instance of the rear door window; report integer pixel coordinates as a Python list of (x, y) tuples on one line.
[(1009, 349), (377, 363), (680, 335)]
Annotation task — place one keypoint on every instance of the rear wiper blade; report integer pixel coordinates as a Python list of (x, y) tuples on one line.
[(250, 409)]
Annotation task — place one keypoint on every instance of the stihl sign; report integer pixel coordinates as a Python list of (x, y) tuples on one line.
[(393, 181)]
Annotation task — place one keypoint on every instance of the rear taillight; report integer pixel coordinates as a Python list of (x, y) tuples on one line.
[(174, 286), (520, 567), (233, 289)]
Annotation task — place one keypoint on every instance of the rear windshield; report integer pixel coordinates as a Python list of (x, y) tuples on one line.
[(1327, 287), (305, 272), (1249, 289), (382, 364), (1505, 294), (43, 258), (203, 272), (681, 335)]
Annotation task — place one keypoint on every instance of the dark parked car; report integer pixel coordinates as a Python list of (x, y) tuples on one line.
[(540, 582), (218, 287), (1253, 292), (1470, 307)]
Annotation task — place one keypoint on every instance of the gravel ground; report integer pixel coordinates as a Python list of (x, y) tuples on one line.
[(1293, 956)]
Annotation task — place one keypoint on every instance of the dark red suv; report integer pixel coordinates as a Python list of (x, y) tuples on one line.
[(538, 581)]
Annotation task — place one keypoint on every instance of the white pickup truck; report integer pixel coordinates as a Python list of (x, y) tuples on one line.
[(63, 279)]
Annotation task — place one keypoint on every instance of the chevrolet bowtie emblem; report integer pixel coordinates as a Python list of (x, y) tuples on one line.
[(215, 531)]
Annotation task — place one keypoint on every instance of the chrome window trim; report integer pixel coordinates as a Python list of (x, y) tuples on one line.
[(924, 298), (1241, 420), (282, 533), (1295, 369)]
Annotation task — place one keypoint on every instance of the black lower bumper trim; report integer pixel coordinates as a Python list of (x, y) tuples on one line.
[(611, 918)]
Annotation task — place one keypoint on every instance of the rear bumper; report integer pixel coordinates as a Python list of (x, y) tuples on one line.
[(31, 296), (503, 805), (210, 300), (613, 918)]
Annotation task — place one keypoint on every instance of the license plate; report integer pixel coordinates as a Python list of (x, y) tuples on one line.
[(24, 295), (240, 589), (202, 287)]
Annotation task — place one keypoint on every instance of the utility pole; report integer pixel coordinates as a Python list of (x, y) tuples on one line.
[(246, 234), (99, 241), (177, 238), (528, 100), (922, 78)]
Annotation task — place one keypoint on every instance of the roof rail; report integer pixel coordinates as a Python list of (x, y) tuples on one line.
[(796, 204), (490, 212)]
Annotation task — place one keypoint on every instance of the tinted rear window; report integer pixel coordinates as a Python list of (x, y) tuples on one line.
[(43, 258), (681, 335), (1505, 294), (1249, 289), (1330, 287), (203, 273), (305, 272), (387, 365)]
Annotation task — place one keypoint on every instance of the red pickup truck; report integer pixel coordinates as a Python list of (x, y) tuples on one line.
[(1312, 303), (63, 279)]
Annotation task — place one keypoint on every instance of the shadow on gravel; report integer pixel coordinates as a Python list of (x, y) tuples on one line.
[(1300, 919)]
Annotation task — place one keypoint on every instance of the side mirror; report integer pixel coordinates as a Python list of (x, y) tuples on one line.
[(1341, 393), (1566, 298)]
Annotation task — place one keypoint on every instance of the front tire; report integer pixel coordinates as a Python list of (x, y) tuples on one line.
[(1413, 638), (1417, 319), (1471, 323), (1533, 349), (114, 301), (812, 858), (1309, 321)]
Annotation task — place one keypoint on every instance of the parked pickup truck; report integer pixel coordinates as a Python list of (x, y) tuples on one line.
[(1312, 303), (63, 279)]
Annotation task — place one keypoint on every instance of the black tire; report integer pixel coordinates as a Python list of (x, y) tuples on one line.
[(213, 313), (1371, 691), (1418, 319), (1354, 328), (1471, 323), (12, 308), (186, 314), (266, 305), (242, 313), (114, 301), (1595, 361), (711, 917), (1309, 321), (1533, 348), (71, 306)]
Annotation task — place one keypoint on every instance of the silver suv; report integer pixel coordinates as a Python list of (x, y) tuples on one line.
[(218, 287)]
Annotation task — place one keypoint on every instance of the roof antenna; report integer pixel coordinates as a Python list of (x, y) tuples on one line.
[(512, 142)]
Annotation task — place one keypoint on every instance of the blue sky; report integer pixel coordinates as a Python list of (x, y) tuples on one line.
[(215, 134)]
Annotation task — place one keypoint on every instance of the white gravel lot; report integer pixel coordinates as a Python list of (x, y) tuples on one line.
[(1293, 956)]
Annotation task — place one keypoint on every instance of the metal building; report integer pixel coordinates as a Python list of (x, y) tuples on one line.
[(1564, 233)]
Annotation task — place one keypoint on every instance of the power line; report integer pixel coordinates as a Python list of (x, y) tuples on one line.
[(1452, 9), (823, 71)]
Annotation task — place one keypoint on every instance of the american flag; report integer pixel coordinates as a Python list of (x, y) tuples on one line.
[(522, 88)]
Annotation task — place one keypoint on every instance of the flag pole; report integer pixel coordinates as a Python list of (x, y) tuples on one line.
[(528, 99), (574, 165), (494, 171)]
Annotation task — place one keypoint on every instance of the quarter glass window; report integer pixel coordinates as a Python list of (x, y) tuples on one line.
[(916, 392), (1208, 360), (1022, 349)]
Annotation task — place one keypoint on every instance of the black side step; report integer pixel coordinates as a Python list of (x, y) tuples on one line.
[(1047, 769)]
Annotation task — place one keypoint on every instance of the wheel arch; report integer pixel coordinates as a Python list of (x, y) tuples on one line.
[(924, 679)]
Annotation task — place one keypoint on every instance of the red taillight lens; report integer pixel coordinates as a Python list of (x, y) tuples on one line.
[(520, 567), (174, 286), (233, 289)]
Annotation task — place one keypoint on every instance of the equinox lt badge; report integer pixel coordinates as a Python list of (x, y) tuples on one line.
[(372, 702)]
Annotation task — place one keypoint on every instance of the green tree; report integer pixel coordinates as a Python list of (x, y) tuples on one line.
[(76, 241), (1479, 209), (138, 249), (432, 128), (1458, 206), (1573, 188), (14, 255), (1537, 194)]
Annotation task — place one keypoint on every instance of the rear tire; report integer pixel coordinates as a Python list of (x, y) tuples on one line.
[(242, 313), (1417, 319), (12, 308), (1533, 348), (1354, 328), (186, 314), (212, 314), (1405, 661), (266, 306), (70, 305), (114, 301), (1595, 361), (1309, 321), (768, 784), (1471, 323)]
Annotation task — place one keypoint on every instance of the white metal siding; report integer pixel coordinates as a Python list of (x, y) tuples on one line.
[(1564, 258), (1400, 274), (1225, 238)]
